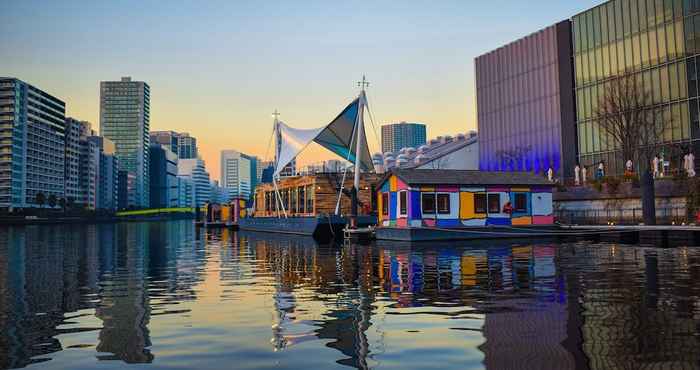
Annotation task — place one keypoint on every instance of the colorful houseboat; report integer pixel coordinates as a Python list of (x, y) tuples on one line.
[(429, 204)]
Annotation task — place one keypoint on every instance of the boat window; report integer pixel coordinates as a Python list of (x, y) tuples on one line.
[(302, 199), (520, 202), (443, 203), (479, 203), (403, 203), (310, 199), (293, 196), (428, 203), (385, 204), (494, 203)]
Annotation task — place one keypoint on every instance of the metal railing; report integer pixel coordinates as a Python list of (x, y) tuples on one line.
[(631, 216)]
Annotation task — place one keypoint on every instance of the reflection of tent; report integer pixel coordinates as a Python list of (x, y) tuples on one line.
[(337, 136)]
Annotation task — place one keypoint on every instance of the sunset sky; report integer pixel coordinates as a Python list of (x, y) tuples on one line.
[(217, 69)]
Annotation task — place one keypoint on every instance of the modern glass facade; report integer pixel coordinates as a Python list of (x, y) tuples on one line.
[(163, 169), (525, 104), (656, 41), (187, 146), (125, 120), (401, 135), (32, 144)]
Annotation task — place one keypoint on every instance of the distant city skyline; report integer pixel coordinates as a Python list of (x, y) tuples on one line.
[(219, 80)]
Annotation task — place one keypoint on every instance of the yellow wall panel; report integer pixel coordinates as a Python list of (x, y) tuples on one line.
[(392, 183), (521, 190)]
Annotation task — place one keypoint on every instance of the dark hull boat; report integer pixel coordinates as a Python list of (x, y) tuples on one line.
[(321, 227)]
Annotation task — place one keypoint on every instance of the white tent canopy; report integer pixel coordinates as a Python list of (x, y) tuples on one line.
[(337, 136)]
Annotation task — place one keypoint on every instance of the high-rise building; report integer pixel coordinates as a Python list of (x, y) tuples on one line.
[(107, 182), (185, 189), (163, 169), (525, 104), (195, 169), (76, 132), (167, 139), (236, 173), (32, 144), (658, 43), (187, 146), (400, 135), (254, 179), (126, 189), (125, 120)]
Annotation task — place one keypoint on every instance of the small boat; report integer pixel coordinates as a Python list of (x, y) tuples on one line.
[(319, 205)]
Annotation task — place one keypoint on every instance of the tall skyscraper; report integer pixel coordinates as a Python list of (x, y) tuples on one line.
[(125, 120), (187, 146), (525, 104), (236, 171), (32, 144), (396, 136)]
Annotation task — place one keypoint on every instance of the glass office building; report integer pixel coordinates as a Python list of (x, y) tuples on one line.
[(656, 41), (125, 120), (525, 104)]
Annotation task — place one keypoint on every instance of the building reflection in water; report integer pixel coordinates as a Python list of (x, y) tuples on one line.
[(496, 306)]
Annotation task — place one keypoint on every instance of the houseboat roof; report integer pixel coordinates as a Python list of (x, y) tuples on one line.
[(465, 177)]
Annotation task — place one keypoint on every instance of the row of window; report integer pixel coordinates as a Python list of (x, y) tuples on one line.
[(295, 200), (646, 49), (439, 203), (660, 85), (618, 19)]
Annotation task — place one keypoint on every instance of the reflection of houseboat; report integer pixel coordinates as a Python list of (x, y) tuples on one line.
[(310, 204), (417, 205), (221, 215)]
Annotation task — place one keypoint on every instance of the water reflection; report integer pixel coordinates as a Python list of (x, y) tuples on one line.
[(165, 294)]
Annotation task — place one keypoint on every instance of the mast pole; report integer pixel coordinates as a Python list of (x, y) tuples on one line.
[(359, 129), (278, 196)]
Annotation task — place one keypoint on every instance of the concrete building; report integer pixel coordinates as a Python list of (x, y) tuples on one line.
[(167, 139), (107, 179), (195, 169), (126, 189), (75, 134), (32, 144), (525, 104), (237, 173), (444, 152), (125, 120), (402, 135), (187, 146), (163, 170), (89, 171)]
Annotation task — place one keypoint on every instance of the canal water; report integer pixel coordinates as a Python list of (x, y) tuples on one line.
[(164, 295)]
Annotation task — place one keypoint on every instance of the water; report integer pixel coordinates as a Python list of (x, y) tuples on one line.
[(162, 294)]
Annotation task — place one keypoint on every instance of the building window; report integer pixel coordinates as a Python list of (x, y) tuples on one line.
[(479, 203), (494, 203), (403, 203), (310, 199), (520, 202), (443, 203), (385, 204), (302, 199), (428, 203)]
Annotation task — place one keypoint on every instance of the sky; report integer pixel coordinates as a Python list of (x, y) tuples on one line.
[(218, 69)]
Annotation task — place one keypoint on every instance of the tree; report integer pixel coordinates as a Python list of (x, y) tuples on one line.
[(40, 199), (70, 202), (62, 203), (514, 157), (628, 122), (52, 201)]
